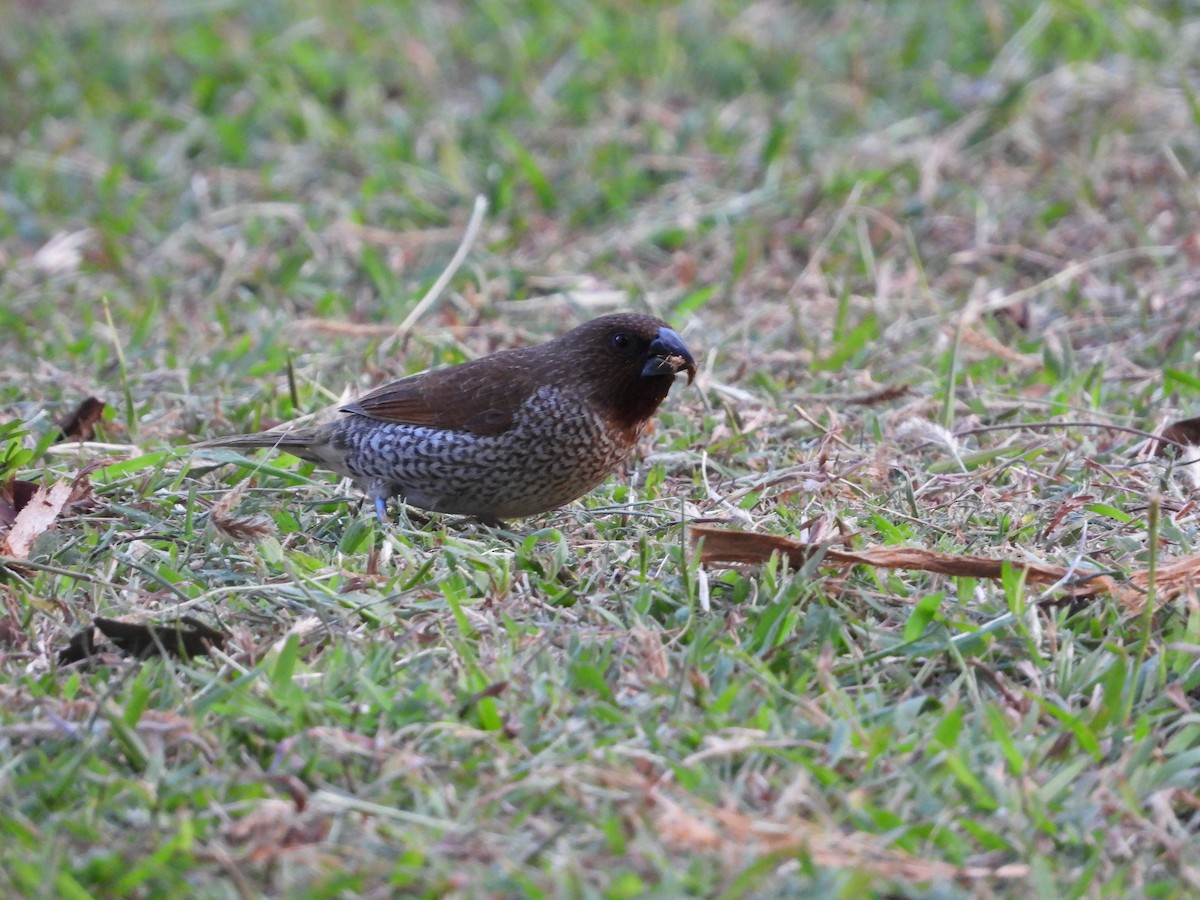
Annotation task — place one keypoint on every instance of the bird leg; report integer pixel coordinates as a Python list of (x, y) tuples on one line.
[(378, 492)]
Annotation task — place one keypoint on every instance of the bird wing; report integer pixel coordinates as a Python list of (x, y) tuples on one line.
[(480, 397)]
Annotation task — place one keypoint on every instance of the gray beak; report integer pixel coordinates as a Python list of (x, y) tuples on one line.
[(668, 356)]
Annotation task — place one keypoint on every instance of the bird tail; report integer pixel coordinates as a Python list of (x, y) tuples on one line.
[(297, 441)]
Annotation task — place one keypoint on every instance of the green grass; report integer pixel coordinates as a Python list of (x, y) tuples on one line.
[(990, 204)]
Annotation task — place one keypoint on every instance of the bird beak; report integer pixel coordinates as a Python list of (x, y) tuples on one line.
[(668, 356)]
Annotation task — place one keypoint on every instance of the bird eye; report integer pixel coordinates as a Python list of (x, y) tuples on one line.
[(620, 341)]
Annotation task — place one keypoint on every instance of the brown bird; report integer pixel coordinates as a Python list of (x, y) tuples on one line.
[(513, 434)]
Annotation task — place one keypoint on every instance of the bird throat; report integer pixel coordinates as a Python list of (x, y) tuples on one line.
[(636, 405)]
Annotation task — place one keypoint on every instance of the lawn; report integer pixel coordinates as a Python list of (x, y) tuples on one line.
[(938, 265)]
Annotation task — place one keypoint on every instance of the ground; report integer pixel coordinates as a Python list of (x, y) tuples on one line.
[(937, 263)]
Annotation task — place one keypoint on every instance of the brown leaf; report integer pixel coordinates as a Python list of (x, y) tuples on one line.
[(82, 494), (11, 633), (186, 638), (1017, 313), (691, 826), (80, 647), (1068, 506), (239, 527), (1185, 432), (295, 788), (495, 689), (652, 655), (727, 547), (883, 395), (1171, 579), (35, 519), (81, 424), (274, 826), (14, 497)]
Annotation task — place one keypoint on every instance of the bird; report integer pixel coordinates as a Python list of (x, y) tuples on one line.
[(506, 436)]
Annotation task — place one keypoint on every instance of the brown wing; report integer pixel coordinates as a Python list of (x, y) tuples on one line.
[(480, 397)]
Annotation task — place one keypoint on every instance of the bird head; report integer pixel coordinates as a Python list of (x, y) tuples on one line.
[(629, 363)]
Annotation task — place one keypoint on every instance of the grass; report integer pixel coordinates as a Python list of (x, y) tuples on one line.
[(214, 218)]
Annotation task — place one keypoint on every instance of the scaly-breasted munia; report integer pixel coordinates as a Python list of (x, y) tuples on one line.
[(513, 434)]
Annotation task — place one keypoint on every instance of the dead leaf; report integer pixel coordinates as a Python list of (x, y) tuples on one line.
[(14, 497), (1068, 506), (295, 788), (495, 689), (82, 495), (1190, 246), (11, 633), (883, 395), (35, 519), (729, 547), (692, 826), (81, 645), (683, 830), (81, 424), (1017, 313), (62, 253), (649, 647), (1171, 579), (275, 826), (186, 638), (239, 527)]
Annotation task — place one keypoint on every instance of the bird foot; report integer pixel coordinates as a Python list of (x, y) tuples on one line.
[(381, 509)]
